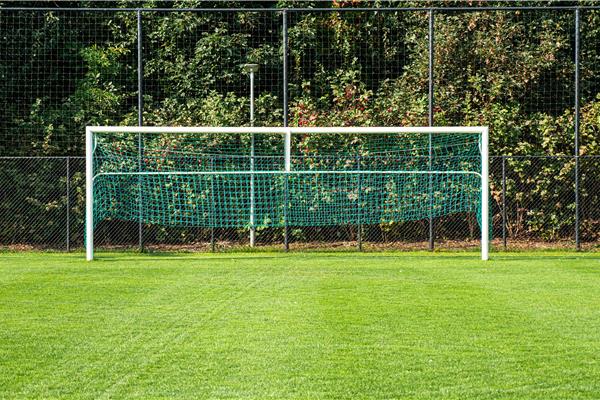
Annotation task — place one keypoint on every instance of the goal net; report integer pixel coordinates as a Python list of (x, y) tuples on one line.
[(284, 177)]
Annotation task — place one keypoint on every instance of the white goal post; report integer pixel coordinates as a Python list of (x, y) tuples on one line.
[(92, 132)]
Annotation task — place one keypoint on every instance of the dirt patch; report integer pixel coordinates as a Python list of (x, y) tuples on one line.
[(222, 246)]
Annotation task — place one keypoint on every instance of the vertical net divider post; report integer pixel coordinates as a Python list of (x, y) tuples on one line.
[(89, 194), (430, 190), (286, 243), (140, 195), (213, 217), (252, 155), (288, 168)]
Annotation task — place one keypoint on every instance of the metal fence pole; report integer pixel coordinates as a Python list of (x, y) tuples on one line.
[(140, 123), (577, 239), (68, 204), (504, 201), (286, 229), (213, 211), (359, 211), (430, 121)]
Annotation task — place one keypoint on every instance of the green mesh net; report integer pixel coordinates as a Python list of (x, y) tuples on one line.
[(239, 180)]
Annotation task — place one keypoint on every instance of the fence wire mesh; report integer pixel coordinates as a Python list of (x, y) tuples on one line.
[(358, 68), (193, 68), (62, 70), (532, 205), (531, 74)]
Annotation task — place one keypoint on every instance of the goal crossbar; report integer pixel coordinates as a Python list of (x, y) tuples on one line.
[(287, 133), (283, 130)]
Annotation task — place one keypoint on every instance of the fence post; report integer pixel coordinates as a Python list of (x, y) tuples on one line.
[(359, 208), (68, 205), (286, 229), (504, 201), (140, 123), (577, 239), (430, 121), (213, 208)]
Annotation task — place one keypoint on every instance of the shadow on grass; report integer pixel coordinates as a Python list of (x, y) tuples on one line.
[(541, 257), (292, 255), (466, 259), (472, 255)]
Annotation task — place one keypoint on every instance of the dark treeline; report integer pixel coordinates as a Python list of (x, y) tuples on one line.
[(513, 70)]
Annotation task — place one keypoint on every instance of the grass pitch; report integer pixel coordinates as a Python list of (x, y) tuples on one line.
[(312, 325)]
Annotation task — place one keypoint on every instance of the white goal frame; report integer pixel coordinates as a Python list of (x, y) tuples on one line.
[(90, 131)]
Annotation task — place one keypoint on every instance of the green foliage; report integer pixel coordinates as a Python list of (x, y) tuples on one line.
[(511, 70)]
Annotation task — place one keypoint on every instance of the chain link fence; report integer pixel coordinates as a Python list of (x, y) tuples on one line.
[(531, 73), (533, 205)]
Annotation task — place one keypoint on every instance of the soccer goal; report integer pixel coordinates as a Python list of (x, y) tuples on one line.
[(243, 177)]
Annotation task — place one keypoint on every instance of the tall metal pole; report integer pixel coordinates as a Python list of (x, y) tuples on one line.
[(577, 239), (140, 123), (359, 208), (252, 212), (68, 204), (286, 229), (504, 219), (430, 120)]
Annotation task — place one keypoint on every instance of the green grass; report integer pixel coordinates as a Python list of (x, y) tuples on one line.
[(313, 325)]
